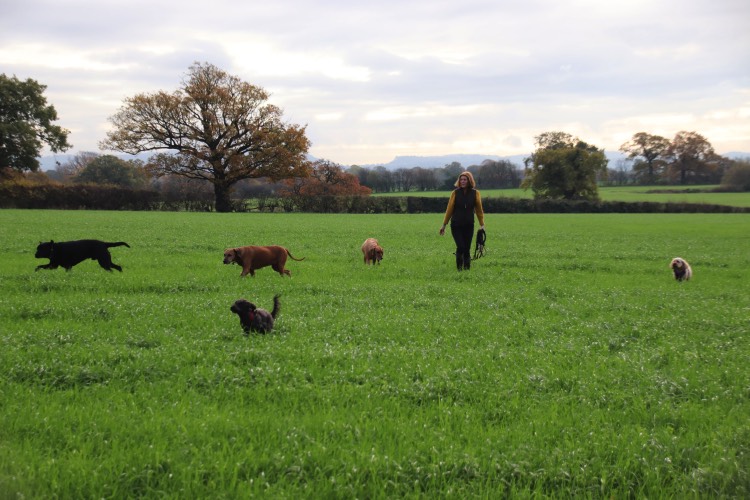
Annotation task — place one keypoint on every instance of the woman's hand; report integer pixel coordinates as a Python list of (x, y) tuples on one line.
[(442, 230)]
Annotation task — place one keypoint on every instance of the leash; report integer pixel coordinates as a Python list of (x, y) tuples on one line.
[(479, 245)]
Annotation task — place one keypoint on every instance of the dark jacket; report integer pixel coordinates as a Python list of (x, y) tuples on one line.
[(462, 206)]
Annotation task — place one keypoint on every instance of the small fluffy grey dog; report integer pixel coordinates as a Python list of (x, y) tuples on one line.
[(681, 269), (253, 318)]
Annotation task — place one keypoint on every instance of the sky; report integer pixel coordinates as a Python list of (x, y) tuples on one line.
[(376, 80)]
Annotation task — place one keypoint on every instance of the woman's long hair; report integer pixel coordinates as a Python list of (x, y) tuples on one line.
[(468, 175)]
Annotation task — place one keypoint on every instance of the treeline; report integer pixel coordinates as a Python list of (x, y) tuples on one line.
[(491, 174), (237, 156), (503, 174), (97, 197), (92, 181), (687, 159)]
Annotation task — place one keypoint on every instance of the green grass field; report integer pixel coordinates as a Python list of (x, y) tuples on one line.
[(621, 193), (566, 363)]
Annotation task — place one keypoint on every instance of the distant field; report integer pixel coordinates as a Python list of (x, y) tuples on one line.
[(626, 193), (566, 363)]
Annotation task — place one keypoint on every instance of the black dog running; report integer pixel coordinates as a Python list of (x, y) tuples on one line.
[(69, 253)]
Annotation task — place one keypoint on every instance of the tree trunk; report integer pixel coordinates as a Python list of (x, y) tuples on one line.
[(223, 202)]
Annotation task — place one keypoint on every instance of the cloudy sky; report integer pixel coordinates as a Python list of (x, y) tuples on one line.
[(379, 79)]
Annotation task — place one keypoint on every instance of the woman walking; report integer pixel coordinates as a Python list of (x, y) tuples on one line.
[(464, 202)]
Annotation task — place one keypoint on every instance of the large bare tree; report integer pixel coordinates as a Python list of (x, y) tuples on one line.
[(216, 128)]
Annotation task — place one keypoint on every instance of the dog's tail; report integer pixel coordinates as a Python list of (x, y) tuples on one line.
[(292, 256), (276, 306), (118, 244)]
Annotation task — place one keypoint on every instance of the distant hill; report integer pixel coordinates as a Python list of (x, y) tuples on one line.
[(466, 160), (50, 162)]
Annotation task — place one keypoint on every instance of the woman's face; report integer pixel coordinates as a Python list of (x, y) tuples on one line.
[(463, 181)]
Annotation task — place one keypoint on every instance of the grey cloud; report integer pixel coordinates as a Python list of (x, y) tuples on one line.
[(513, 61)]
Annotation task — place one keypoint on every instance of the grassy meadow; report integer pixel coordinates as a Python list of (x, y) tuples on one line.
[(567, 363), (676, 194)]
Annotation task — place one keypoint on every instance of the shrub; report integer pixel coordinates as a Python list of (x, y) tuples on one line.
[(737, 178)]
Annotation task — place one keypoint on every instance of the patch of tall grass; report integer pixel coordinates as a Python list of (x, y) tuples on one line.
[(567, 362)]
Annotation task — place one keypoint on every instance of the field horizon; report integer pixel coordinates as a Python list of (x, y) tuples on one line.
[(700, 194), (567, 362)]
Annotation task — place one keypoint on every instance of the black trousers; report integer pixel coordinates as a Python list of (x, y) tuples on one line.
[(463, 235)]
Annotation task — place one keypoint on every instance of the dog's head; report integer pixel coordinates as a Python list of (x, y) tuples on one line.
[(376, 253), (231, 255), (242, 307), (677, 264), (44, 250)]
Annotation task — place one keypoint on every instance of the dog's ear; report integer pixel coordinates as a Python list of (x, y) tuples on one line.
[(240, 305)]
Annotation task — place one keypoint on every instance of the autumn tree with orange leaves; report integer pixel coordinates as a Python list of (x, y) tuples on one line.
[(326, 179), (216, 128)]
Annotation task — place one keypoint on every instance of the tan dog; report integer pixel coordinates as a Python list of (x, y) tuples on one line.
[(372, 251), (681, 269), (253, 257)]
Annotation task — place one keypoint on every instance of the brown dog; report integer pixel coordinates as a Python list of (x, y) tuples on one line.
[(681, 269), (372, 250), (253, 257)]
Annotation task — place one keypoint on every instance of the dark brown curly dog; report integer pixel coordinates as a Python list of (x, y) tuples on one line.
[(255, 319), (254, 257)]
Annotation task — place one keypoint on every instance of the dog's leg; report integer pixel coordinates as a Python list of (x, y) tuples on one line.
[(105, 261)]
